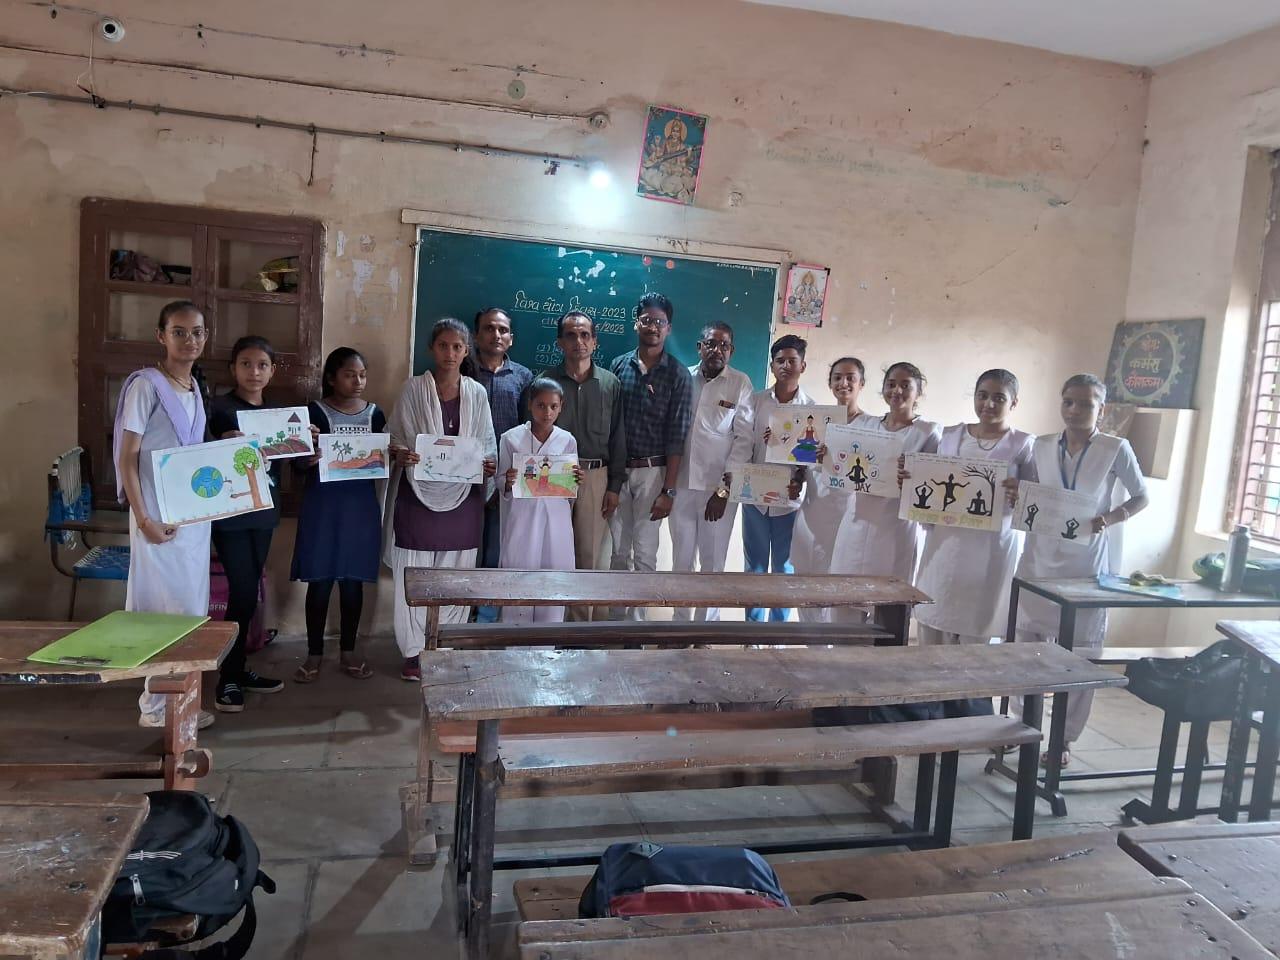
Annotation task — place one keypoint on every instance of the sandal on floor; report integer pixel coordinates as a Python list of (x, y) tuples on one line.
[(306, 675), (1066, 759), (361, 671)]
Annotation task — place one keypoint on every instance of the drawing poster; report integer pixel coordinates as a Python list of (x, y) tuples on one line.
[(671, 157), (764, 484), (542, 475), (954, 491), (806, 299), (354, 456), (1064, 515), (283, 431), (862, 461), (449, 459), (208, 481), (797, 430)]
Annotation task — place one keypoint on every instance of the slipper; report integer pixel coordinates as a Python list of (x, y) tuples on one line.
[(304, 675), (362, 671), (1066, 759)]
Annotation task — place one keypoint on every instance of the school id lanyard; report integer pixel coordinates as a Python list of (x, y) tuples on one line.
[(1062, 460)]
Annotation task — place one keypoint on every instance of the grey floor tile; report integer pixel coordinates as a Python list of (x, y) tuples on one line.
[(293, 739), (382, 737), (282, 916)]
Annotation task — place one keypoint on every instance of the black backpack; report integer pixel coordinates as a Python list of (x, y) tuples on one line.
[(187, 860)]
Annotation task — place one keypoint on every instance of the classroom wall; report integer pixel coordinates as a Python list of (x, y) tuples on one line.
[(974, 200), (1202, 217)]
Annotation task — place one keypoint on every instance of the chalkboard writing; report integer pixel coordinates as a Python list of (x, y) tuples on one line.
[(535, 282)]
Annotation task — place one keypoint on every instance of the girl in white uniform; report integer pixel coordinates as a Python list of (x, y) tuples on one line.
[(1079, 458), (968, 572), (814, 538), (160, 407), (872, 541), (537, 534)]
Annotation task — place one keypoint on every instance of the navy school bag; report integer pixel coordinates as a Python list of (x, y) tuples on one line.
[(644, 879)]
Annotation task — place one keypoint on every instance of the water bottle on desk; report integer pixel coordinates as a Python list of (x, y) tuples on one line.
[(1236, 557)]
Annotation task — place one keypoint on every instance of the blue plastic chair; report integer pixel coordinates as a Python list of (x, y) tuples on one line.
[(70, 519)]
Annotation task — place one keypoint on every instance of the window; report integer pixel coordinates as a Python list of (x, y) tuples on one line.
[(249, 273)]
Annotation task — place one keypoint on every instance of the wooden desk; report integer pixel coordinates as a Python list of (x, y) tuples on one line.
[(489, 686), (1072, 596), (1233, 864), (174, 673), (891, 598), (1259, 641), (58, 860), (1155, 920)]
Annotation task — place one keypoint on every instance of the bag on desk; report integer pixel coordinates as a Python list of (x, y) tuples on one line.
[(1203, 687), (644, 879), (187, 860), (1261, 574)]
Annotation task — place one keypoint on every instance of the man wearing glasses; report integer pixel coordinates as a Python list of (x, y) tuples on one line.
[(656, 397), (700, 523)]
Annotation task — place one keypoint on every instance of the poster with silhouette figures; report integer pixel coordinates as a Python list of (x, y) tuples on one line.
[(954, 491), (764, 484), (449, 459), (284, 432), (861, 461), (209, 481), (543, 475), (1063, 515), (797, 430), (354, 456)]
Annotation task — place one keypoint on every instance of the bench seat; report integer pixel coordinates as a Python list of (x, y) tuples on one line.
[(663, 633), (67, 754)]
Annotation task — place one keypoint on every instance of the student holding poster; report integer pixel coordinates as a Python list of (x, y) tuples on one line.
[(824, 508), (968, 572), (537, 532), (872, 541), (434, 523), (1084, 460)]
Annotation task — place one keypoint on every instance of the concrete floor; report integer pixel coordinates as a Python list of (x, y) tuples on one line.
[(314, 771)]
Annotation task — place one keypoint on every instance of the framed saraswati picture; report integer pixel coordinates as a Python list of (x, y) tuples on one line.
[(671, 158), (1155, 364)]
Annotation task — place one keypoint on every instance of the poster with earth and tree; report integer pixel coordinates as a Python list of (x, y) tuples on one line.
[(209, 481)]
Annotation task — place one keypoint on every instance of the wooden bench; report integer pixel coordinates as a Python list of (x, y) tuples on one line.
[(602, 634), (92, 754), (1024, 864)]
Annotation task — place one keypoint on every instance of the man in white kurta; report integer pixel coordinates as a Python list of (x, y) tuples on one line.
[(719, 392), (537, 533)]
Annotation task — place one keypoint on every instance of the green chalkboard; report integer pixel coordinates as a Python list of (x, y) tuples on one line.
[(535, 282)]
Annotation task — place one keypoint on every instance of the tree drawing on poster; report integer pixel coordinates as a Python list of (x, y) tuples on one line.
[(763, 484), (283, 432), (953, 491), (209, 481), (1046, 511), (449, 459), (354, 456), (545, 475), (797, 430), (862, 461), (1155, 364)]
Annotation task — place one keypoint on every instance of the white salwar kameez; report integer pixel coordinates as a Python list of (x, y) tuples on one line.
[(813, 540), (537, 534), (171, 577), (418, 411)]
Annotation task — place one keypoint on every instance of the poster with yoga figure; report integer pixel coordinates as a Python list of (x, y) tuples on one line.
[(797, 430), (861, 461), (209, 481), (954, 491), (540, 475), (1064, 515), (763, 484)]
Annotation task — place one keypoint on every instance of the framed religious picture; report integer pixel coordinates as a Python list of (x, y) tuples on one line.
[(805, 303), (1155, 364), (671, 158)]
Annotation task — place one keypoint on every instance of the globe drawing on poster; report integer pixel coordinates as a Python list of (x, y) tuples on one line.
[(209, 481)]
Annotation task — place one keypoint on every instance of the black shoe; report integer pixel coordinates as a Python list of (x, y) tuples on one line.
[(229, 698), (255, 684)]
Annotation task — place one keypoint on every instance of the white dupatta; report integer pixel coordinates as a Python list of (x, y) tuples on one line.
[(418, 411)]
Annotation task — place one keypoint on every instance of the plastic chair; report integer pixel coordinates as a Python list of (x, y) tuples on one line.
[(68, 522)]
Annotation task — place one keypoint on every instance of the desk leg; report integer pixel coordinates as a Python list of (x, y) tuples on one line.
[(1024, 799), (1238, 744), (1058, 727), (924, 793), (184, 761), (1166, 760), (433, 628), (416, 802), (946, 797), (896, 618), (484, 816), (460, 852), (1193, 769), (1264, 771)]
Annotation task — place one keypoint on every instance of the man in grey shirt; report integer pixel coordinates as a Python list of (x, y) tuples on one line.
[(592, 412)]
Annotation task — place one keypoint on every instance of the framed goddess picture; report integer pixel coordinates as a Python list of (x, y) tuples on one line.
[(806, 301), (671, 158)]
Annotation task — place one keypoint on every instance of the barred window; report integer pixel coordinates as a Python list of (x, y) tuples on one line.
[(1259, 500)]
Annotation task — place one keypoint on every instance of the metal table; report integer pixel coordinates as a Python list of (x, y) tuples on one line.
[(1259, 690)]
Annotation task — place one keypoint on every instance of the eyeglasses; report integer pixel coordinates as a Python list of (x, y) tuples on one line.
[(723, 346), (199, 333), (647, 321)]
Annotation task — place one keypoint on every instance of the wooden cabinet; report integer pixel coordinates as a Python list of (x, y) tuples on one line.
[(249, 273)]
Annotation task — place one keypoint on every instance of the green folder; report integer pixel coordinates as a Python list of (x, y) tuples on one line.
[(119, 639)]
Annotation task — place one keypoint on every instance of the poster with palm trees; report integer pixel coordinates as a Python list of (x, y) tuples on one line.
[(209, 481), (283, 432), (354, 456)]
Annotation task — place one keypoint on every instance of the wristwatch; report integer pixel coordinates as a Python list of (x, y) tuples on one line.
[(722, 493), (669, 492)]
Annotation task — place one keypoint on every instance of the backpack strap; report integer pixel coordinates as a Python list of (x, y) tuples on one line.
[(236, 946)]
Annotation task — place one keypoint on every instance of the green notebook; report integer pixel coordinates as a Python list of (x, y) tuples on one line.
[(119, 639)]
